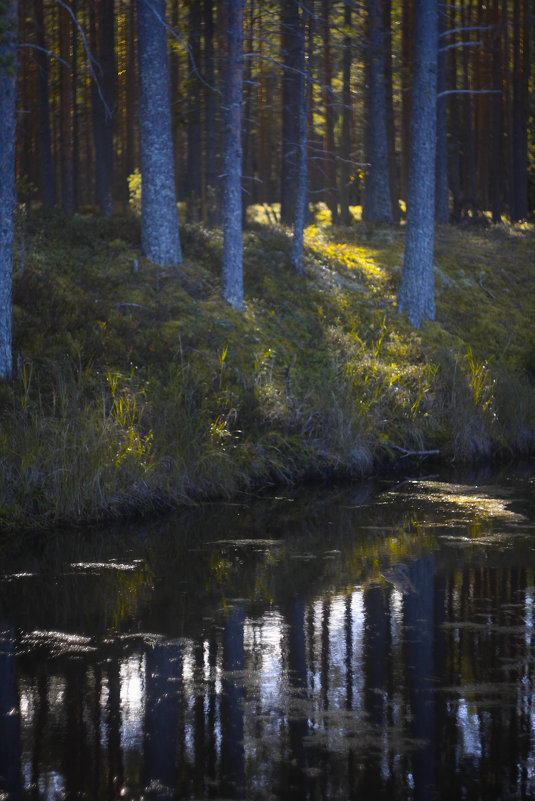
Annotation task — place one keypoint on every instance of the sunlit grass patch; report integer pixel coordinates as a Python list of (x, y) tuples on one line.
[(342, 255), (139, 388)]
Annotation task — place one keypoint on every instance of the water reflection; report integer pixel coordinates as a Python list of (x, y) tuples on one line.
[(389, 655)]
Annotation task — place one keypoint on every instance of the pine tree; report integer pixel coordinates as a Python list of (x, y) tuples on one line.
[(102, 24), (8, 86), (377, 207), (232, 155), (45, 148), (160, 238), (416, 294), (291, 44)]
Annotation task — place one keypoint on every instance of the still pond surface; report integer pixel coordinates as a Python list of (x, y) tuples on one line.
[(366, 642)]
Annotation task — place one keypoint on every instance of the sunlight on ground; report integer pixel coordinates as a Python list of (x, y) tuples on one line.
[(348, 256)]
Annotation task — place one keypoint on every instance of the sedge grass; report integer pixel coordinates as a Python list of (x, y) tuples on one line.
[(139, 389)]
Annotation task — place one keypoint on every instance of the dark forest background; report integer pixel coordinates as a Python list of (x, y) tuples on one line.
[(78, 104)]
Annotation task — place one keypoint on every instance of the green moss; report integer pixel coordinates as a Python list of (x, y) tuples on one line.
[(140, 388)]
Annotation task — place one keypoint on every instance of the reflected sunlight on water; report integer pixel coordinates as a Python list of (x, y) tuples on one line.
[(132, 699)]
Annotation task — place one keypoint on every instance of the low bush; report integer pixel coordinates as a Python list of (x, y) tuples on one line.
[(138, 389)]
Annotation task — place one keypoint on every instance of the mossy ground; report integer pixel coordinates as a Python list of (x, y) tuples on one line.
[(139, 389)]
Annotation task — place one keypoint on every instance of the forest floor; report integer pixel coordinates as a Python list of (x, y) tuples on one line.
[(138, 389)]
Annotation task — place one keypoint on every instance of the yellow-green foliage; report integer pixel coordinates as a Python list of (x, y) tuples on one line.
[(138, 388)]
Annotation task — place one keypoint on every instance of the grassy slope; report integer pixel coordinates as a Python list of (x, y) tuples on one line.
[(140, 389)]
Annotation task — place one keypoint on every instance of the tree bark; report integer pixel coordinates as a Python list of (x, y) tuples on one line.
[(302, 154), (102, 25), (160, 238), (8, 90), (496, 130), (66, 112), (331, 190), (47, 171), (347, 113), (377, 206), (264, 162), (131, 91), (469, 185), (246, 124), (290, 101), (232, 155), (519, 205), (442, 193), (454, 154), (210, 164), (416, 294), (194, 171), (393, 166), (407, 26)]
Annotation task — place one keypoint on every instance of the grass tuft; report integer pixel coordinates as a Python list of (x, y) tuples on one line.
[(138, 389)]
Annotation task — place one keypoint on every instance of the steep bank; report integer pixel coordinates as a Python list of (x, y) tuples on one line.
[(139, 389)]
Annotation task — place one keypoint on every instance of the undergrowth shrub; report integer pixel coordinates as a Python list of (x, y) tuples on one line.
[(138, 388)]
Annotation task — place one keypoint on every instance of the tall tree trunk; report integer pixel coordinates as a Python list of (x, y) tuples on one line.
[(290, 101), (393, 167), (247, 122), (75, 118), (8, 90), (232, 155), (131, 92), (407, 27), (107, 63), (264, 161), (210, 164), (507, 105), (416, 294), (377, 206), (102, 25), (442, 193), (176, 80), (331, 193), (454, 154), (347, 115), (469, 186), (495, 153), (160, 238), (302, 153), (66, 111), (519, 205), (194, 171), (47, 170), (24, 123), (482, 68)]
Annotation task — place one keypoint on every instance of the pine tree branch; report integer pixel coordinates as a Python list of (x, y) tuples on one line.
[(470, 92), (44, 50)]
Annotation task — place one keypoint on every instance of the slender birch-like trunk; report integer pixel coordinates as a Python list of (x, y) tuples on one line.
[(8, 90), (232, 155), (302, 154)]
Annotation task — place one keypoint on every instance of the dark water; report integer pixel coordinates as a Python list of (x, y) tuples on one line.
[(361, 643)]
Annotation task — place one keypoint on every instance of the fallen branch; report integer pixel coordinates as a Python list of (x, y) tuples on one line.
[(404, 452)]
